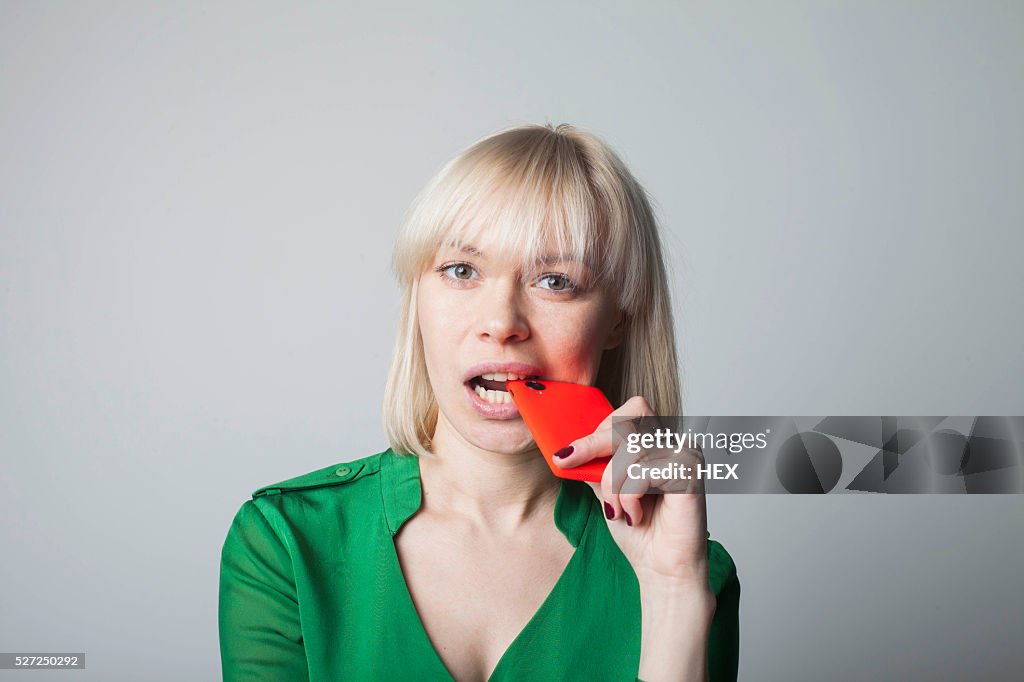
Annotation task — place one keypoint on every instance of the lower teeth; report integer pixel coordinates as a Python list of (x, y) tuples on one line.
[(496, 397)]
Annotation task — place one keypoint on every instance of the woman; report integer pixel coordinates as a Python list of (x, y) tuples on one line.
[(456, 553)]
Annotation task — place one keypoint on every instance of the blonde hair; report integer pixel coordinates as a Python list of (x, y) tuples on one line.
[(590, 206)]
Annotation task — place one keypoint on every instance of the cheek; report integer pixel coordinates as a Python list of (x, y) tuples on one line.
[(439, 324), (437, 309), (430, 324), (575, 341)]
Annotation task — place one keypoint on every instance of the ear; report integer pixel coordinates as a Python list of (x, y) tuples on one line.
[(618, 331)]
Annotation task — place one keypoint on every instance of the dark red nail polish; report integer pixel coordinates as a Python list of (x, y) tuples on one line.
[(629, 521), (609, 511), (564, 452)]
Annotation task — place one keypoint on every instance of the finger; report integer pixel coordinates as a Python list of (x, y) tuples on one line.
[(683, 465), (632, 509), (596, 487), (636, 406), (626, 485), (633, 483), (615, 481), (606, 493), (693, 458), (612, 512), (608, 439), (600, 443), (608, 435)]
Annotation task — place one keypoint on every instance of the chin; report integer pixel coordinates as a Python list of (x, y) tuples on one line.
[(507, 438)]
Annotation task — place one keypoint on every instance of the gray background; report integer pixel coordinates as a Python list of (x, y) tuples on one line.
[(197, 206)]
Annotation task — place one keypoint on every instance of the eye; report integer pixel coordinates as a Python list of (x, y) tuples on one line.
[(462, 272), (556, 282)]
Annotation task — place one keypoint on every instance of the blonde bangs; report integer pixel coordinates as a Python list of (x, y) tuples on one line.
[(536, 196)]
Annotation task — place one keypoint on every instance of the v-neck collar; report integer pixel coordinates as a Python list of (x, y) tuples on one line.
[(402, 494)]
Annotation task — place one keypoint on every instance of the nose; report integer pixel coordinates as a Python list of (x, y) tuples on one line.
[(501, 315)]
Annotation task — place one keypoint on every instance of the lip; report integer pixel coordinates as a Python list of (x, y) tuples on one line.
[(521, 368), (503, 411)]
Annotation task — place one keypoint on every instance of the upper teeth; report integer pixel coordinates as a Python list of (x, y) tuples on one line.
[(502, 376)]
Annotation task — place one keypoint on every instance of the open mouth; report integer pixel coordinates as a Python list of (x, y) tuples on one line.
[(491, 386)]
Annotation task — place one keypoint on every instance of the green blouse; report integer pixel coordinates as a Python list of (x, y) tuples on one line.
[(311, 588)]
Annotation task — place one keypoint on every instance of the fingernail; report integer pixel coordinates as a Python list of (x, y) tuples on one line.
[(629, 521), (563, 453), (609, 511)]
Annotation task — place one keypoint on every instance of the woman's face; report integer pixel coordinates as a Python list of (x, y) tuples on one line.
[(482, 317)]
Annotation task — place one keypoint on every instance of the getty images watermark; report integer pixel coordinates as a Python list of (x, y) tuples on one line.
[(896, 455)]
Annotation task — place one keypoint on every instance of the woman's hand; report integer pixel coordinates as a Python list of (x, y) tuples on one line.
[(664, 536)]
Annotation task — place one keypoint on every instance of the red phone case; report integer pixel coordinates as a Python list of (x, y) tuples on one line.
[(557, 413)]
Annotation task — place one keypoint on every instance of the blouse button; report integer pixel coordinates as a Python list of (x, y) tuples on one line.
[(342, 471)]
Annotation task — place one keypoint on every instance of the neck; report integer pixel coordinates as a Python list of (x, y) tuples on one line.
[(496, 491)]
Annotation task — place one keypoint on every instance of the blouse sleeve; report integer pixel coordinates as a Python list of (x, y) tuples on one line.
[(724, 639), (260, 632)]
